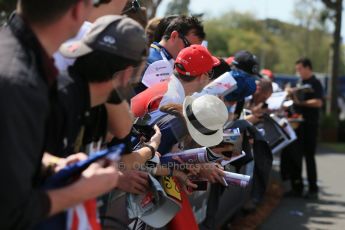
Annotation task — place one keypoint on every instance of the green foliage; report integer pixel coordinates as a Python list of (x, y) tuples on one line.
[(178, 7), (337, 147), (329, 121), (217, 37), (277, 44)]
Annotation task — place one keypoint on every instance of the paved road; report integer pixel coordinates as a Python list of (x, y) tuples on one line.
[(328, 213)]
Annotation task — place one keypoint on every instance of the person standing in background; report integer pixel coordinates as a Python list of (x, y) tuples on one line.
[(307, 132)]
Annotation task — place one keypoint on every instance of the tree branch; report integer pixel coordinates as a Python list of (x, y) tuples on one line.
[(330, 4)]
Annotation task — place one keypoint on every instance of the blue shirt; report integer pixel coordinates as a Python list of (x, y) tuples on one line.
[(155, 53), (246, 86), (173, 129)]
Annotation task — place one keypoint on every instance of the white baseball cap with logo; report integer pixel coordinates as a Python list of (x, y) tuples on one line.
[(157, 72), (154, 208)]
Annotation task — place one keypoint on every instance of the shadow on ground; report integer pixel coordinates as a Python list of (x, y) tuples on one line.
[(277, 212), (326, 213)]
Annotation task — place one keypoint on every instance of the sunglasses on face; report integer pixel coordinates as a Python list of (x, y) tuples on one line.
[(185, 41), (135, 6)]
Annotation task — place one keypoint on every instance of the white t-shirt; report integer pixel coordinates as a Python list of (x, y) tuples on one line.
[(63, 63), (175, 93), (276, 87)]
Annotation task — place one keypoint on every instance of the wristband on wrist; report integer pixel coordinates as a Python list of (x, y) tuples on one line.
[(153, 151)]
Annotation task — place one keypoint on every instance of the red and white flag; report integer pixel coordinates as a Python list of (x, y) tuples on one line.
[(84, 216)]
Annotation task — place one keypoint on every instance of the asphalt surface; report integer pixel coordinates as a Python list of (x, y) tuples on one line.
[(328, 212)]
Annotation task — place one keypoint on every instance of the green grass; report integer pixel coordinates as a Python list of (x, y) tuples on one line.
[(338, 147)]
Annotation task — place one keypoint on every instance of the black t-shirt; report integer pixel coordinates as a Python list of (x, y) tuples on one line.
[(311, 115), (68, 117), (27, 76), (96, 125)]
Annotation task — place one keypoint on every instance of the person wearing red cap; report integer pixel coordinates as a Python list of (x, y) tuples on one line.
[(268, 74), (193, 71)]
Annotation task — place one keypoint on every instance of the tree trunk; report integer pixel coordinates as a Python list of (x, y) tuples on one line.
[(333, 89), (151, 7)]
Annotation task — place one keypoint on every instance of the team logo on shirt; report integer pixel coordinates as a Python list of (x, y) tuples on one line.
[(160, 68)]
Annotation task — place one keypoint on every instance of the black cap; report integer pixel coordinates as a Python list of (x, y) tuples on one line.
[(115, 34), (247, 62)]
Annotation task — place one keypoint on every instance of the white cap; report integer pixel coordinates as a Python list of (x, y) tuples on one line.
[(157, 72), (154, 208)]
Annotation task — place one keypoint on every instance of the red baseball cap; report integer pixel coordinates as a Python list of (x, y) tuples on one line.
[(195, 60), (268, 73)]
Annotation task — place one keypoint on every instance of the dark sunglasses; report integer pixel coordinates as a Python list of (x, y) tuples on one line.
[(135, 6), (185, 41)]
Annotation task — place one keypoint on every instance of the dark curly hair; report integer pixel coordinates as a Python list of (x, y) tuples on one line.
[(183, 25)]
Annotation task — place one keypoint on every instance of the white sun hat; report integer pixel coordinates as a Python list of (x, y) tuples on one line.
[(205, 117)]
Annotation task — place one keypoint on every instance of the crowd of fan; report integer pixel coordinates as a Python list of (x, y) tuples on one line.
[(65, 100)]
